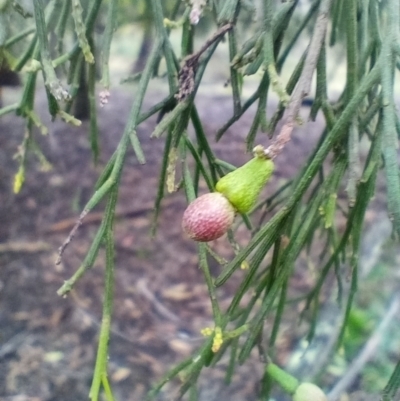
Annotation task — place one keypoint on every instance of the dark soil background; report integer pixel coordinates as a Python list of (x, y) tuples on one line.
[(48, 343)]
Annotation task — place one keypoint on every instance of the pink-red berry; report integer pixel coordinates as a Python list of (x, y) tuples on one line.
[(208, 217)]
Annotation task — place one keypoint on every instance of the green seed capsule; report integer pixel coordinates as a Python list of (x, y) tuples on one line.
[(242, 186)]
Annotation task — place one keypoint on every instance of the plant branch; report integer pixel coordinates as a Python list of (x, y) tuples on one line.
[(390, 141), (102, 352), (304, 84), (130, 127), (49, 73), (188, 71)]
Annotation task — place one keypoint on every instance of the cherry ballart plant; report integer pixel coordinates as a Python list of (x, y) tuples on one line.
[(286, 46)]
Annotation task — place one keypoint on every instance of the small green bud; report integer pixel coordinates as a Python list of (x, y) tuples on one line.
[(242, 186), (309, 392)]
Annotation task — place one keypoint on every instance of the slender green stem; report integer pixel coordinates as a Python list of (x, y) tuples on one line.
[(268, 49), (279, 314), (199, 162), (336, 17), (335, 134), (30, 52), (107, 38), (94, 129), (87, 263), (117, 166), (354, 161), (235, 75), (227, 11), (392, 385), (8, 109), (162, 182), (16, 38), (107, 388), (62, 24), (170, 118), (210, 285), (203, 143), (289, 256), (296, 35), (168, 377), (350, 10), (89, 23), (80, 29), (49, 73), (236, 117), (130, 127), (390, 143), (100, 369)]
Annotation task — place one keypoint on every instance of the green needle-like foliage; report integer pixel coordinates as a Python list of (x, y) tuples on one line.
[(287, 222)]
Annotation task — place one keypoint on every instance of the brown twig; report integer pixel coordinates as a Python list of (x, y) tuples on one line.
[(304, 84), (188, 71), (93, 218), (71, 235)]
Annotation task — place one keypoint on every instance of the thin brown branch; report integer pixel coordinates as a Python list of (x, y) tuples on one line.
[(221, 32), (71, 235), (304, 84), (188, 71)]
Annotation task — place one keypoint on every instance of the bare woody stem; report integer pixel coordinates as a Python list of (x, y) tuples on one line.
[(304, 84), (188, 71)]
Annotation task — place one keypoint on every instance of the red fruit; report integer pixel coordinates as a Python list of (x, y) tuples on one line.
[(208, 217)]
